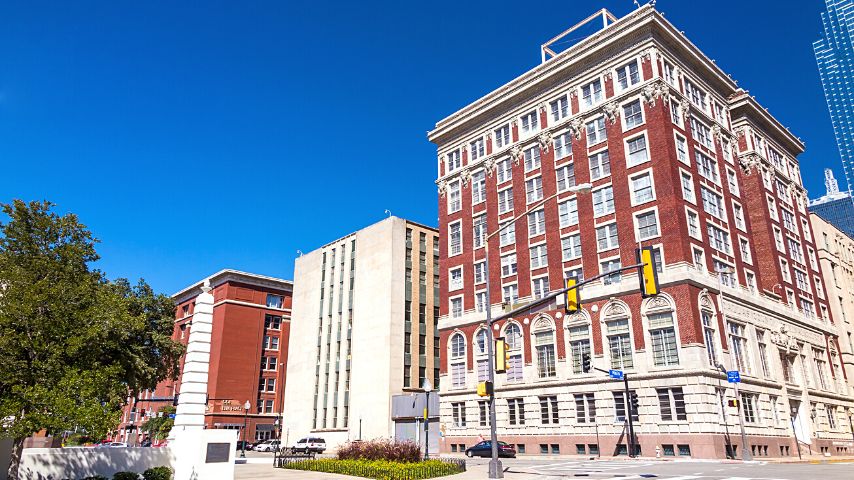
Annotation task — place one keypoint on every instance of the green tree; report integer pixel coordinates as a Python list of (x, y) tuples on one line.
[(73, 345), (158, 427)]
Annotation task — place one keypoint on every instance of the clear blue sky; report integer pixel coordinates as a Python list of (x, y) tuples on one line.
[(195, 136)]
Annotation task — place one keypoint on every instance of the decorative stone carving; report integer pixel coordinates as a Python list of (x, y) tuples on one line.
[(573, 93), (658, 303), (615, 309), (443, 188), (490, 165), (465, 175), (611, 111), (706, 301), (749, 162), (717, 133), (576, 127), (545, 140), (542, 107), (515, 153), (740, 132), (654, 91), (685, 108)]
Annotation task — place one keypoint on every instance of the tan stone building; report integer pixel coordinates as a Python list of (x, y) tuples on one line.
[(836, 254)]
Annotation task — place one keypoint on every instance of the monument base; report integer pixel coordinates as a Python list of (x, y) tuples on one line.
[(204, 454)]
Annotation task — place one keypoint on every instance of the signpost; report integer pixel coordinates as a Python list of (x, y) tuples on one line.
[(616, 374), (172, 416), (733, 376)]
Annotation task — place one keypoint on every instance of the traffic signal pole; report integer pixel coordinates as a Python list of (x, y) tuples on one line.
[(629, 408)]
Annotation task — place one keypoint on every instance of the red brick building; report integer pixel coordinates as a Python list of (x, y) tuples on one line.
[(249, 355), (681, 160)]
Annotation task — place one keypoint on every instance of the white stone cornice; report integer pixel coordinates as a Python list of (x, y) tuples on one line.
[(655, 90), (465, 175), (443, 187), (545, 140), (685, 108), (515, 153), (611, 110), (490, 165), (749, 162)]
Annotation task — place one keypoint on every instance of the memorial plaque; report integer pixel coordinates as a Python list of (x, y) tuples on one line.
[(218, 453)]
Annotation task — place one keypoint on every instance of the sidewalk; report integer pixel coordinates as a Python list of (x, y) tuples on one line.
[(267, 472)]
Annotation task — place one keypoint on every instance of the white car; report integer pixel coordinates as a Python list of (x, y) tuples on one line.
[(310, 444), (115, 445), (267, 446)]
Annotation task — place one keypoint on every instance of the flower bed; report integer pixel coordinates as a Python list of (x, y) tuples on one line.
[(379, 469)]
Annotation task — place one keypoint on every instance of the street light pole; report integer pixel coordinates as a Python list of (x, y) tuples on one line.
[(428, 387), (495, 468), (745, 452), (245, 417)]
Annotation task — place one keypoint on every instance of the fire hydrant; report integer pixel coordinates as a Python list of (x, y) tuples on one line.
[(657, 451)]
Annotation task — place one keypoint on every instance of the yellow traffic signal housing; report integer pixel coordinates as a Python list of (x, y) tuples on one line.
[(732, 403), (500, 355), (573, 299), (484, 389), (647, 272)]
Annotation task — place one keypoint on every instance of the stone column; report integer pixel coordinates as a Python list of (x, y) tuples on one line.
[(192, 401)]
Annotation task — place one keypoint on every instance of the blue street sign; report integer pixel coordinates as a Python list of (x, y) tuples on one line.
[(616, 374), (171, 415), (733, 376)]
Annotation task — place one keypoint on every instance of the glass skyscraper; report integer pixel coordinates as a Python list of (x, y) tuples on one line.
[(834, 53), (836, 207)]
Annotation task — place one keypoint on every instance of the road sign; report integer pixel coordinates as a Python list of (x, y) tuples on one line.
[(733, 376), (616, 374), (172, 415)]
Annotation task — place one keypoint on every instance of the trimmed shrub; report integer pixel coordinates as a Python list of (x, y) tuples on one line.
[(125, 476), (380, 449), (96, 477), (379, 469), (157, 473)]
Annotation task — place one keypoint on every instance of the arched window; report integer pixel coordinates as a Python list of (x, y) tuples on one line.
[(662, 331), (482, 362), (618, 332), (707, 316), (458, 361), (513, 337), (544, 343)]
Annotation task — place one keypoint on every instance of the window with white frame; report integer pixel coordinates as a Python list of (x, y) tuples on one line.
[(478, 187), (505, 200), (819, 287), (579, 345), (788, 220), (633, 114), (576, 272), (611, 265), (479, 272), (693, 224), (744, 247), (718, 238), (600, 165), (529, 123), (732, 181), (637, 151), (455, 281), (713, 204), (510, 294), (688, 187), (726, 274), (507, 236), (479, 231), (568, 213), (697, 96), (536, 223), (805, 227), (738, 216), (795, 250), (772, 208), (502, 136), (508, 264), (540, 287), (676, 113), (619, 342), (671, 402), (504, 170), (642, 190), (647, 225), (480, 342), (709, 336), (565, 177), (662, 331), (628, 75), (456, 307), (534, 189), (670, 74), (563, 145), (539, 256), (749, 404), (596, 131), (738, 346), (699, 257), (544, 346), (571, 246), (750, 281), (455, 160), (515, 410), (454, 197), (707, 166), (701, 133), (778, 239), (458, 411), (784, 267), (559, 108), (682, 149), (455, 238), (801, 280), (477, 149), (603, 201), (591, 93), (458, 361), (811, 255), (606, 237), (532, 158), (513, 337)]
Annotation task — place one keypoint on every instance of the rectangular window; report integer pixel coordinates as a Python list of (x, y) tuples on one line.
[(637, 151), (504, 170), (455, 281), (272, 322), (688, 187), (510, 294), (502, 136), (532, 158), (545, 350), (538, 257), (477, 149), (608, 266), (516, 411), (560, 108), (693, 224), (458, 413), (671, 402), (585, 408), (571, 247), (563, 146), (536, 223), (534, 189), (591, 94), (697, 96), (718, 239), (565, 177), (514, 369), (642, 191), (628, 75), (455, 160), (620, 409), (701, 133), (505, 200), (456, 307), (478, 187), (508, 265), (647, 225), (479, 272), (748, 407), (568, 213), (606, 237), (663, 335), (738, 344), (713, 203), (549, 414), (744, 246), (529, 123), (507, 236), (483, 413), (454, 197), (540, 287), (732, 181), (633, 114), (682, 149), (709, 336), (595, 131), (738, 215), (707, 166), (455, 238), (600, 165), (603, 201), (579, 345), (275, 301), (619, 344)]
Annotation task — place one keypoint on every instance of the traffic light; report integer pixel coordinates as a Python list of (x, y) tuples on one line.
[(635, 402), (647, 273), (500, 355), (585, 363), (733, 403), (573, 300), (484, 389)]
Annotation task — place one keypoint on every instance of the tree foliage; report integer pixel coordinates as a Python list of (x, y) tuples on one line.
[(73, 344), (158, 427)]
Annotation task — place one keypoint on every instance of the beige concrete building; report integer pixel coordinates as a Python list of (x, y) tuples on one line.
[(364, 329), (836, 255)]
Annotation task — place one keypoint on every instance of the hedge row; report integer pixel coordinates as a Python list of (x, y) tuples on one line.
[(379, 469)]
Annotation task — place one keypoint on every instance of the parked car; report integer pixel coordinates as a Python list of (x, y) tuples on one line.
[(266, 446), (484, 449), (243, 445), (145, 443), (310, 444), (114, 445)]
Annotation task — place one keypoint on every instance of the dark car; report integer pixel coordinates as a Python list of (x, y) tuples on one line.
[(484, 449), (241, 445)]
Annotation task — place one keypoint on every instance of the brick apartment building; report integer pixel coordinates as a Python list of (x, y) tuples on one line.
[(249, 355), (682, 160)]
